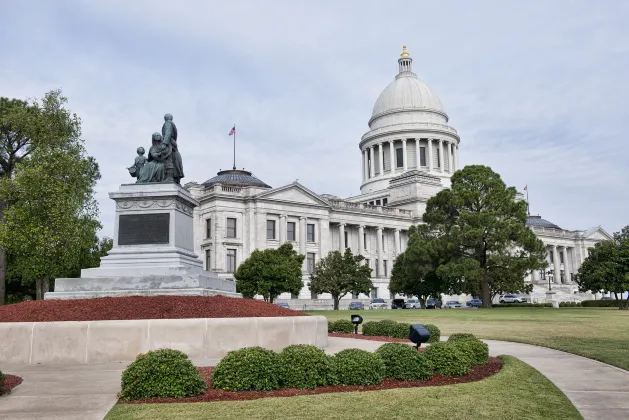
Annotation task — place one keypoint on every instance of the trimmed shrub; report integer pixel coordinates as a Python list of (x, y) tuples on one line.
[(435, 333), (164, 373), (341, 326), (357, 367), (250, 368), (461, 336), (476, 350), (303, 366), (522, 305), (402, 361), (447, 359), (399, 330), (370, 328), (379, 328), (599, 303)]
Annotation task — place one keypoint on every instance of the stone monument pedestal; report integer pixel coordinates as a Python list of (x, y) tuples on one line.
[(153, 252)]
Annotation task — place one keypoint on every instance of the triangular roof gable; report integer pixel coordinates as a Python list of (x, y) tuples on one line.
[(597, 233), (294, 193)]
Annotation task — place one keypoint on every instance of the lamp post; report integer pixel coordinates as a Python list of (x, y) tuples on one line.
[(549, 274)]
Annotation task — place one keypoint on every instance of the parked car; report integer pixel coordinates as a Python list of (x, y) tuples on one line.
[(433, 304), (474, 303), (378, 303), (397, 304), (356, 306), (452, 304), (512, 299), (412, 304), (283, 305)]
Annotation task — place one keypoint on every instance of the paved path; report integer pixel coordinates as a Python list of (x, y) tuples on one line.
[(86, 392)]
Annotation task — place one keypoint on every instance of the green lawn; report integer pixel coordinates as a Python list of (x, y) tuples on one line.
[(517, 392), (598, 333)]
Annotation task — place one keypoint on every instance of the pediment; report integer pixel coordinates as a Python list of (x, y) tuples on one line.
[(293, 193), (598, 234)]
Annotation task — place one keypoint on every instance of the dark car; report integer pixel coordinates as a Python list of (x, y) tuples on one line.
[(474, 303), (431, 304), (356, 306), (397, 304)]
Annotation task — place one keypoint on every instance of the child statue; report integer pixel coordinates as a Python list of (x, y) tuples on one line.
[(138, 163)]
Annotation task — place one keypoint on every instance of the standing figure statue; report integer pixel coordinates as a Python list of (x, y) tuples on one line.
[(174, 168), (138, 163)]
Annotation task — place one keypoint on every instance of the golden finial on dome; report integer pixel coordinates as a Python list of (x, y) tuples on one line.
[(404, 52)]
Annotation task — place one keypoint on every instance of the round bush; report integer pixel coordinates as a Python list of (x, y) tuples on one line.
[(357, 367), (161, 373), (476, 350), (447, 359), (435, 333), (400, 330), (304, 367), (341, 326), (250, 368), (371, 328), (404, 362), (461, 337)]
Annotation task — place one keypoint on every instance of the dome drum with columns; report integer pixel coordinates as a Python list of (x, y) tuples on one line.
[(407, 156)]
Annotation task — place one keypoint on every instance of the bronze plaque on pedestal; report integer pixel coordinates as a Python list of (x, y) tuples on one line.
[(144, 229)]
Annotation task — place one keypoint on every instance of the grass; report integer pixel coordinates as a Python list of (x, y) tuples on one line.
[(598, 333), (517, 392)]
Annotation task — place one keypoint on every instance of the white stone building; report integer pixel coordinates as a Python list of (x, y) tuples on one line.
[(408, 155)]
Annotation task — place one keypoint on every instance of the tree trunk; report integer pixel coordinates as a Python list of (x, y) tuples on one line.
[(3, 259), (336, 299), (484, 287), (42, 285)]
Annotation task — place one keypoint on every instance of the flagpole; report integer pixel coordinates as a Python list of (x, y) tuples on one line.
[(234, 146), (528, 206)]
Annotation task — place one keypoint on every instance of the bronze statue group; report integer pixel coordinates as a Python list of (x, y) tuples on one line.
[(164, 161)]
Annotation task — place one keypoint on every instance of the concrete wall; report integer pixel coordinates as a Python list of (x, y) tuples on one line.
[(73, 342)]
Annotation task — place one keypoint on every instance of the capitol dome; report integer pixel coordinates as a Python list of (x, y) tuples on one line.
[(235, 178), (406, 92)]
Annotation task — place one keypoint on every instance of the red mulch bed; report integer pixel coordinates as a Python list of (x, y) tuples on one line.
[(477, 373), (10, 382), (141, 307), (370, 337)]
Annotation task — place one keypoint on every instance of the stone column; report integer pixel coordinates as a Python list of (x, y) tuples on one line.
[(566, 265), (392, 155), (396, 242), (372, 166), (381, 158), (451, 153), (456, 157), (440, 155), (429, 155), (282, 229), (361, 240), (302, 242), (535, 276), (404, 158), (418, 165), (379, 250), (556, 269), (365, 166), (342, 244)]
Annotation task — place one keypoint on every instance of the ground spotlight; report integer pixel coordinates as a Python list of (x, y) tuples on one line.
[(356, 320), (418, 334)]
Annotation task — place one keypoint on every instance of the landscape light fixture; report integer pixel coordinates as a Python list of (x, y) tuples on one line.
[(418, 334), (356, 320), (550, 273)]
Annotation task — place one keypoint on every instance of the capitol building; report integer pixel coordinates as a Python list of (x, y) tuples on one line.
[(408, 155)]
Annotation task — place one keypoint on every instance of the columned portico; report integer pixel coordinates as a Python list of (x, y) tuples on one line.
[(556, 270), (566, 265)]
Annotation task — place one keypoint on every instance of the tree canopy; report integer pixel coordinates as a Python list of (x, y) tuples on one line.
[(485, 226), (339, 274), (50, 211), (270, 273), (607, 267)]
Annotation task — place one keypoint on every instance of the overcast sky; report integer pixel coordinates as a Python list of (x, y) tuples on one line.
[(537, 90)]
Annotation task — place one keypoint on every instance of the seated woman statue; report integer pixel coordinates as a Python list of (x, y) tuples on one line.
[(154, 170)]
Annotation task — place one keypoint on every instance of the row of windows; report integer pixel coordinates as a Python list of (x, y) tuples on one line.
[(291, 231), (552, 260), (399, 157), (230, 260), (382, 202)]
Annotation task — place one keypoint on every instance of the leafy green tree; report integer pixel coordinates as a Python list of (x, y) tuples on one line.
[(339, 274), (50, 213), (607, 268), (270, 273), (415, 271), (485, 225)]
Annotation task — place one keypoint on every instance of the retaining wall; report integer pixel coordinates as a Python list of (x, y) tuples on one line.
[(72, 342)]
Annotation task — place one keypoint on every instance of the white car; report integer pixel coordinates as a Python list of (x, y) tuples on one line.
[(512, 299), (378, 304), (412, 304), (453, 304)]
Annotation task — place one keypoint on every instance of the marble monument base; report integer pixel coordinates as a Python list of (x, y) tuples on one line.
[(152, 253)]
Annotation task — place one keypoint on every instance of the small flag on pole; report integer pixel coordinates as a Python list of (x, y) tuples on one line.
[(232, 131), (526, 188)]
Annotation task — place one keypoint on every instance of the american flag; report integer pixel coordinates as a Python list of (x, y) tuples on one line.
[(232, 131), (526, 187)]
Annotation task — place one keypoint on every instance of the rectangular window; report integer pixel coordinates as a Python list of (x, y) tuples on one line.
[(550, 256), (542, 274), (311, 233), (377, 273), (374, 293), (313, 295), (354, 295), (399, 158), (208, 228), (438, 158), (270, 229), (365, 239), (346, 240), (310, 262), (561, 257), (367, 262), (231, 227), (290, 231), (422, 156), (378, 203), (385, 267), (294, 296), (208, 252), (231, 261), (384, 201)]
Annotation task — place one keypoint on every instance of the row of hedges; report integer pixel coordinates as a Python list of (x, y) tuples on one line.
[(570, 304), (522, 305), (388, 328), (599, 303), (341, 326)]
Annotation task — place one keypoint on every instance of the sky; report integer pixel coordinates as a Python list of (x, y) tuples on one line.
[(537, 90)]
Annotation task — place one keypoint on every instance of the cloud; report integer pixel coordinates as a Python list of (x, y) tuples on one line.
[(536, 90)]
